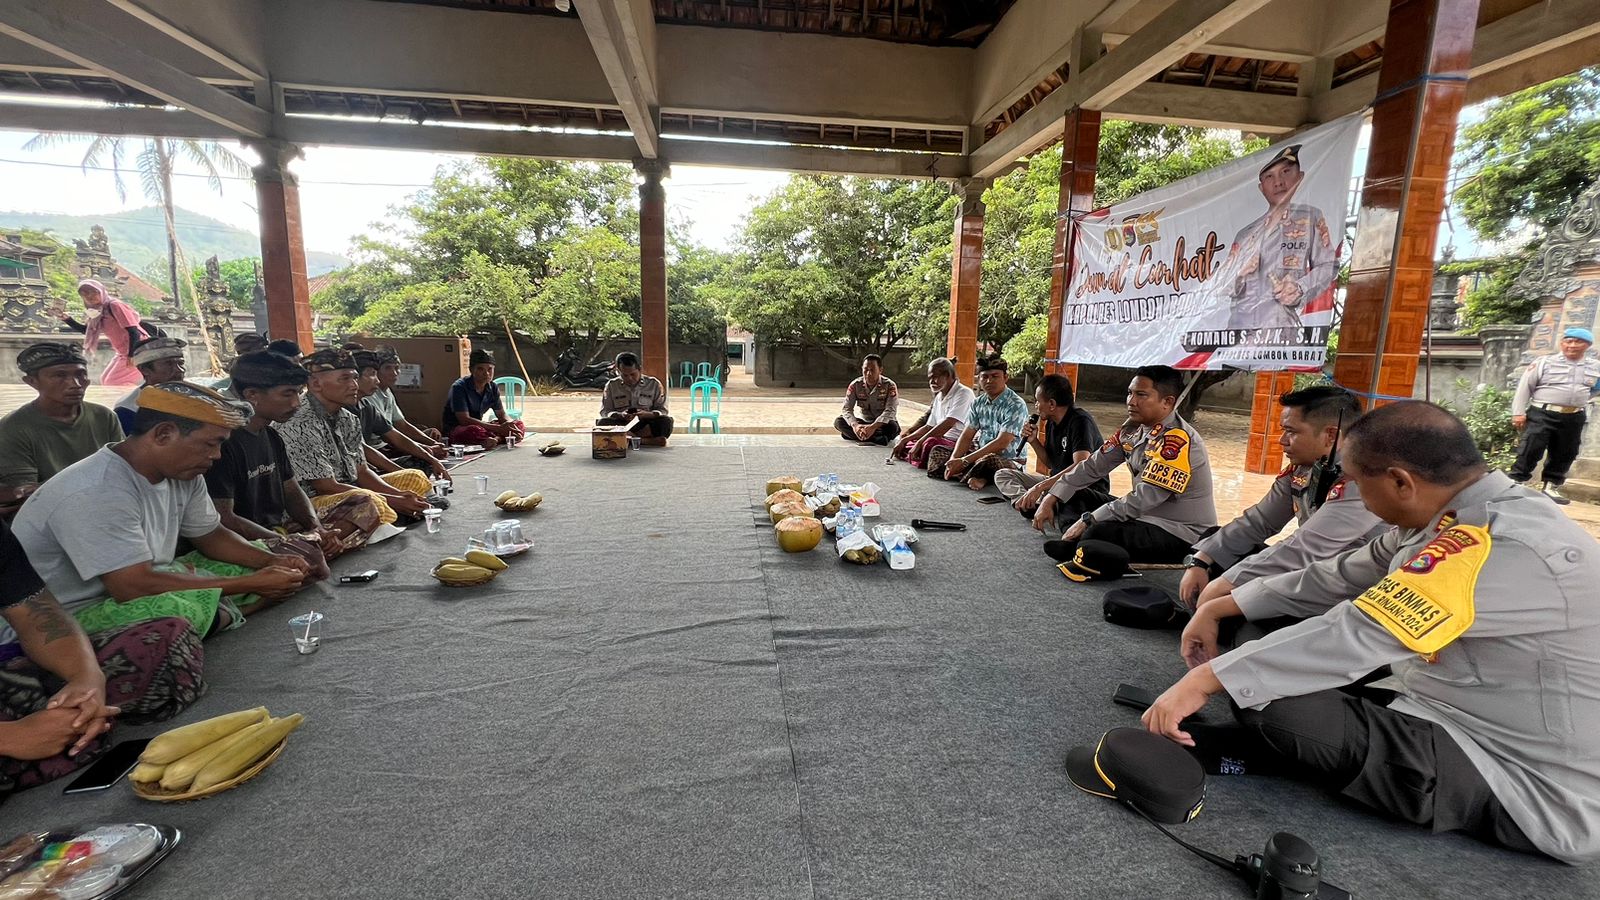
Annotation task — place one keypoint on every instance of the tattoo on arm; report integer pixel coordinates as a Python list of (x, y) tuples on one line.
[(49, 618)]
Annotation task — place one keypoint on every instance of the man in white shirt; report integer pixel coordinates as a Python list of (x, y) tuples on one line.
[(945, 418)]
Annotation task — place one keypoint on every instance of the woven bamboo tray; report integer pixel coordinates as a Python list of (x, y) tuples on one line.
[(154, 792)]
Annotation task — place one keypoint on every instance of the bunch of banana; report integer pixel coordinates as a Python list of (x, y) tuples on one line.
[(863, 556), (553, 448), (206, 754), (479, 567), (510, 502)]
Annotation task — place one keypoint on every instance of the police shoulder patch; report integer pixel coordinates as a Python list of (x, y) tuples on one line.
[(1337, 491), (1288, 470), (1428, 602), (1166, 461)]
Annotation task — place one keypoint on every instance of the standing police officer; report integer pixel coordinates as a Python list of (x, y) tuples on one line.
[(1549, 410)]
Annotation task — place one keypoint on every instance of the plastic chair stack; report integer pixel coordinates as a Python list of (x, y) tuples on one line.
[(705, 403)]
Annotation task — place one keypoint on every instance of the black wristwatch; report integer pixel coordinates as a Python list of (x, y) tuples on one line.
[(1194, 562)]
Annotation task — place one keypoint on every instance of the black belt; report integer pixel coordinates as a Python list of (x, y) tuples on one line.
[(1563, 410)]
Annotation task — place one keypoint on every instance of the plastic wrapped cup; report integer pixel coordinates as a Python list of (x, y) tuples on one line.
[(458, 451), (633, 442), (307, 630), (513, 527), (432, 517), (482, 482)]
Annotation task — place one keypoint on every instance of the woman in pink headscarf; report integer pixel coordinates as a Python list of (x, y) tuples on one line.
[(118, 321)]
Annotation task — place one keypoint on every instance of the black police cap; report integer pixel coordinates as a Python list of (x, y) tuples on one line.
[(1144, 770), (1096, 561)]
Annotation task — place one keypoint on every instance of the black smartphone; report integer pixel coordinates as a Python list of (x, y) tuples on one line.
[(1134, 697), (986, 501), (362, 577), (109, 769)]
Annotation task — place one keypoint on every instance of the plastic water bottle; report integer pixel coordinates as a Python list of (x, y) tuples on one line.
[(849, 521), (900, 556)]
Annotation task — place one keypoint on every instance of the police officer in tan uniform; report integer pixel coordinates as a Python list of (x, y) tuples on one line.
[(633, 394), (1549, 410), (1170, 506), (1285, 258), (1481, 602), (871, 406), (1310, 490)]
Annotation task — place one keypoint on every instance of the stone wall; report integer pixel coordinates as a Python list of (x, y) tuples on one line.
[(779, 365), (196, 359)]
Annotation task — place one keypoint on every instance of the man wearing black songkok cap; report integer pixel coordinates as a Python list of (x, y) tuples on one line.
[(57, 428), (473, 397)]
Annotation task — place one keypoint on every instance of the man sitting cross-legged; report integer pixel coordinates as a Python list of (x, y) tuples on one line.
[(54, 430), (254, 487), (61, 690), (633, 394), (378, 429), (878, 401), (1170, 506), (1068, 437), (323, 439), (993, 436), (104, 533), (389, 365), (1481, 602), (1331, 516), (160, 361), (472, 398), (945, 419)]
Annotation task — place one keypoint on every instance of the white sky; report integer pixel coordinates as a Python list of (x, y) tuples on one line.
[(342, 191)]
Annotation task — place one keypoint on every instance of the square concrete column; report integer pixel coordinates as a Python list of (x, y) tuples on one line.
[(1080, 158), (966, 277), (653, 268), (283, 249), (1421, 87)]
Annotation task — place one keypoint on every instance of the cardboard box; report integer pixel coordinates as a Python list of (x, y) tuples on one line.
[(429, 365), (609, 441)]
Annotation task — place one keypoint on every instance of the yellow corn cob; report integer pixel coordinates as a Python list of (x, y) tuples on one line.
[(245, 753), (180, 742), (179, 775)]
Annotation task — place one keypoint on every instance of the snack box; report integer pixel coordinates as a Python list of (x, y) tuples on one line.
[(83, 862), (609, 441)]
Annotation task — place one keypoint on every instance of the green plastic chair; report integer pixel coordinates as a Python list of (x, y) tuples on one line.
[(512, 392), (720, 376), (705, 402), (702, 372), (686, 374)]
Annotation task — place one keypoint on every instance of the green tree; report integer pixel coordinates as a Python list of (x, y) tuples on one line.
[(499, 245), (238, 274), (1530, 154), (821, 262), (692, 316), (155, 160)]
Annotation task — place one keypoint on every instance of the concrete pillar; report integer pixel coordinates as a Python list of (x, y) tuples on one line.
[(966, 277), (283, 249), (1421, 87), (653, 267), (1080, 157)]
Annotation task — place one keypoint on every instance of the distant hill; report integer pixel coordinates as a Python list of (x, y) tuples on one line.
[(138, 236)]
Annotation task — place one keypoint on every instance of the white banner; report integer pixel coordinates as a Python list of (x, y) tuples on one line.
[(1231, 268)]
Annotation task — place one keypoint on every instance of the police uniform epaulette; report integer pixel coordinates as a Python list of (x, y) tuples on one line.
[(1288, 470), (1337, 491)]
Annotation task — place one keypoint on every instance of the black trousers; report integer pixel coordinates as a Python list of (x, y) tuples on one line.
[(1144, 542), (659, 427), (1085, 500), (1557, 433), (886, 432), (1350, 742)]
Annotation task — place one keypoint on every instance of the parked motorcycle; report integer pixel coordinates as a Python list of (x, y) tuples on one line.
[(572, 373)]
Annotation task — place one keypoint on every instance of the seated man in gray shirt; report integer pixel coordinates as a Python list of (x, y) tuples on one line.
[(1311, 490), (1481, 601), (379, 428)]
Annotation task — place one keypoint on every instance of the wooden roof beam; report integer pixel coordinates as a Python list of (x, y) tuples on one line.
[(624, 43)]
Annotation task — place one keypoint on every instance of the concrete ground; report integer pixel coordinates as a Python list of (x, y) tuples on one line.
[(755, 416)]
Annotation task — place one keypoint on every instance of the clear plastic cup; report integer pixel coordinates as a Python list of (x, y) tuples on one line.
[(514, 527), (458, 451), (307, 630), (432, 517), (482, 483)]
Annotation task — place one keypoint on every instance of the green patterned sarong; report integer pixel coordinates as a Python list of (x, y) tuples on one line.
[(198, 606)]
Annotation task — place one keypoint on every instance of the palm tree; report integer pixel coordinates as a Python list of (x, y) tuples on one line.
[(154, 162)]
